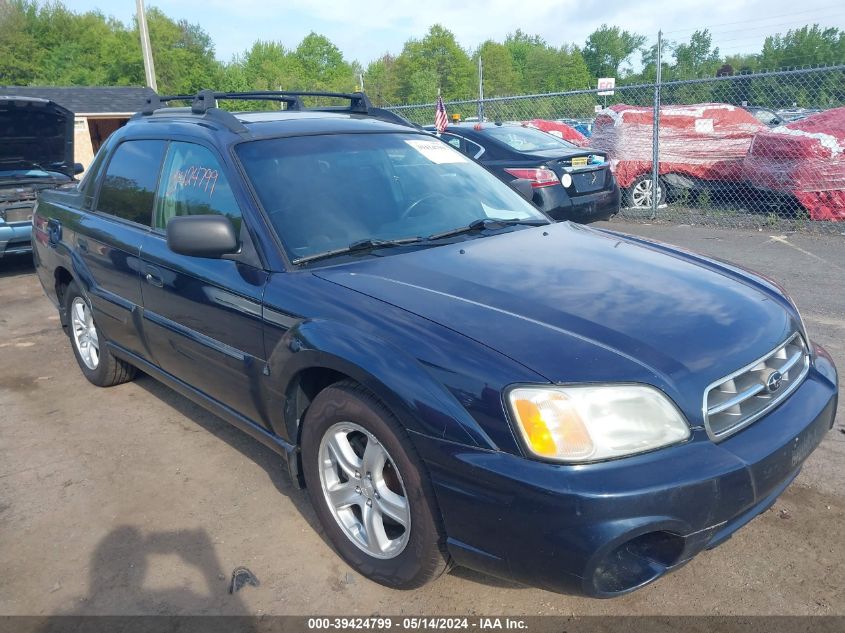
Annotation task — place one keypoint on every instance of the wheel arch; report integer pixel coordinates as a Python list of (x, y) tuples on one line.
[(316, 354), (62, 278)]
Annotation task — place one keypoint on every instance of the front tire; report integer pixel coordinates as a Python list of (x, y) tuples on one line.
[(370, 490), (639, 194), (95, 360)]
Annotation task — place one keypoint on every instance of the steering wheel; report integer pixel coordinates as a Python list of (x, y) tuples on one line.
[(408, 212)]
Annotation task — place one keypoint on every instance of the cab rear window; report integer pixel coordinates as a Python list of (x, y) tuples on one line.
[(129, 185)]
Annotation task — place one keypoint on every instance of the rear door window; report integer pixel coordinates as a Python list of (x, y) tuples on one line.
[(471, 149), (454, 141), (129, 185), (193, 183), (465, 146)]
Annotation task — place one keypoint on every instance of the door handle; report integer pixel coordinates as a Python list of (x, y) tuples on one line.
[(83, 244), (154, 280), (54, 232)]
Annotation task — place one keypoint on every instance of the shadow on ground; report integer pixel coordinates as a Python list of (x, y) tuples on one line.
[(275, 467), (16, 266)]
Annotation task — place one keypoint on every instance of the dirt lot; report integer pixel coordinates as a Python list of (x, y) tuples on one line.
[(133, 500)]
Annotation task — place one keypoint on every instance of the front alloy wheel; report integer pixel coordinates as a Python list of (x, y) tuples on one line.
[(370, 489), (364, 491)]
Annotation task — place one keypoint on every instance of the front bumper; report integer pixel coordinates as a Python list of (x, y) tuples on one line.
[(609, 528), (15, 238)]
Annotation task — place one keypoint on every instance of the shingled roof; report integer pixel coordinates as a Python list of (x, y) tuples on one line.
[(87, 99)]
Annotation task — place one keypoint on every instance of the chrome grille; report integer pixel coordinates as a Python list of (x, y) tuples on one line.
[(734, 402)]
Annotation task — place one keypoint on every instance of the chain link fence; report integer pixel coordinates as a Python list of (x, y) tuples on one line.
[(749, 150)]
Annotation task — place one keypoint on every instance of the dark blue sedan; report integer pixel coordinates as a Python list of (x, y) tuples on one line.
[(453, 377)]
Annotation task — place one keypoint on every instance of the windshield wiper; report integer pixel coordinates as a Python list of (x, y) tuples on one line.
[(367, 244), (487, 223)]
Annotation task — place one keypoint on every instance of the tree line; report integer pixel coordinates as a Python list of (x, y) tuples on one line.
[(49, 44)]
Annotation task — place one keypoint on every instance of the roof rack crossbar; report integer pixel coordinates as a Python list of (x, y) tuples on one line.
[(205, 103), (206, 99), (153, 102)]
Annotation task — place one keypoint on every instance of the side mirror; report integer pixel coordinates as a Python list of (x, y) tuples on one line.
[(523, 187), (202, 236), (78, 168)]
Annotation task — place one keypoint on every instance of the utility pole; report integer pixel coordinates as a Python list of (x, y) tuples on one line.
[(480, 111), (655, 135), (146, 49)]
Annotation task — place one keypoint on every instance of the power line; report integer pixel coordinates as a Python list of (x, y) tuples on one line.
[(752, 39), (757, 20)]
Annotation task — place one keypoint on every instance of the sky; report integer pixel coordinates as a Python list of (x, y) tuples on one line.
[(365, 30)]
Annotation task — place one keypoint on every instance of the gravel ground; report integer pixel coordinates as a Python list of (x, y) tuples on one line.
[(132, 500)]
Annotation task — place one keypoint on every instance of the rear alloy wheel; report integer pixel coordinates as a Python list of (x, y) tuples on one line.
[(639, 194), (370, 490), (95, 360), (84, 333)]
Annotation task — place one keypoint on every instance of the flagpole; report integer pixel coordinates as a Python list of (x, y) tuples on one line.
[(437, 129)]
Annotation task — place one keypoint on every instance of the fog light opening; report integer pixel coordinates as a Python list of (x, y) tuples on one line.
[(637, 562)]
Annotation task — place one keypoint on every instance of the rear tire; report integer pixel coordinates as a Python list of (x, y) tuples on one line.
[(382, 518), (89, 345)]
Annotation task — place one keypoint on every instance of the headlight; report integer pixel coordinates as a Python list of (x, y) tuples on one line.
[(801, 324), (595, 422)]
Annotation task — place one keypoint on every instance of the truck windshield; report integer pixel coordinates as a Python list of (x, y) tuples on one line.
[(326, 192)]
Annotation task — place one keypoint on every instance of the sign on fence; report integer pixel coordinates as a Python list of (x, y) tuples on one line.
[(606, 86)]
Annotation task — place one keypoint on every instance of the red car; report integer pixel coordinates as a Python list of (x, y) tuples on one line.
[(701, 147), (804, 159)]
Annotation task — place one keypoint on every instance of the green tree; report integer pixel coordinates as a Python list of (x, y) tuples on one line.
[(381, 80), (743, 63), (499, 75), (807, 46), (323, 66), (520, 45), (434, 62), (265, 66), (269, 66), (544, 68), (183, 55), (19, 49), (698, 59), (649, 61), (608, 47), (575, 75)]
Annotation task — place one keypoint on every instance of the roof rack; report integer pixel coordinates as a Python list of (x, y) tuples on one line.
[(205, 103)]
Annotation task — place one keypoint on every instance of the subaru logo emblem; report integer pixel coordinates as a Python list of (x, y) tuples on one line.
[(773, 381)]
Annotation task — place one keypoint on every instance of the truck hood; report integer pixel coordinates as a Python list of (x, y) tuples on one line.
[(576, 304), (35, 132)]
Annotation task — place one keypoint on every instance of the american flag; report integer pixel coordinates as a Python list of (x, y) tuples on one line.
[(440, 121)]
